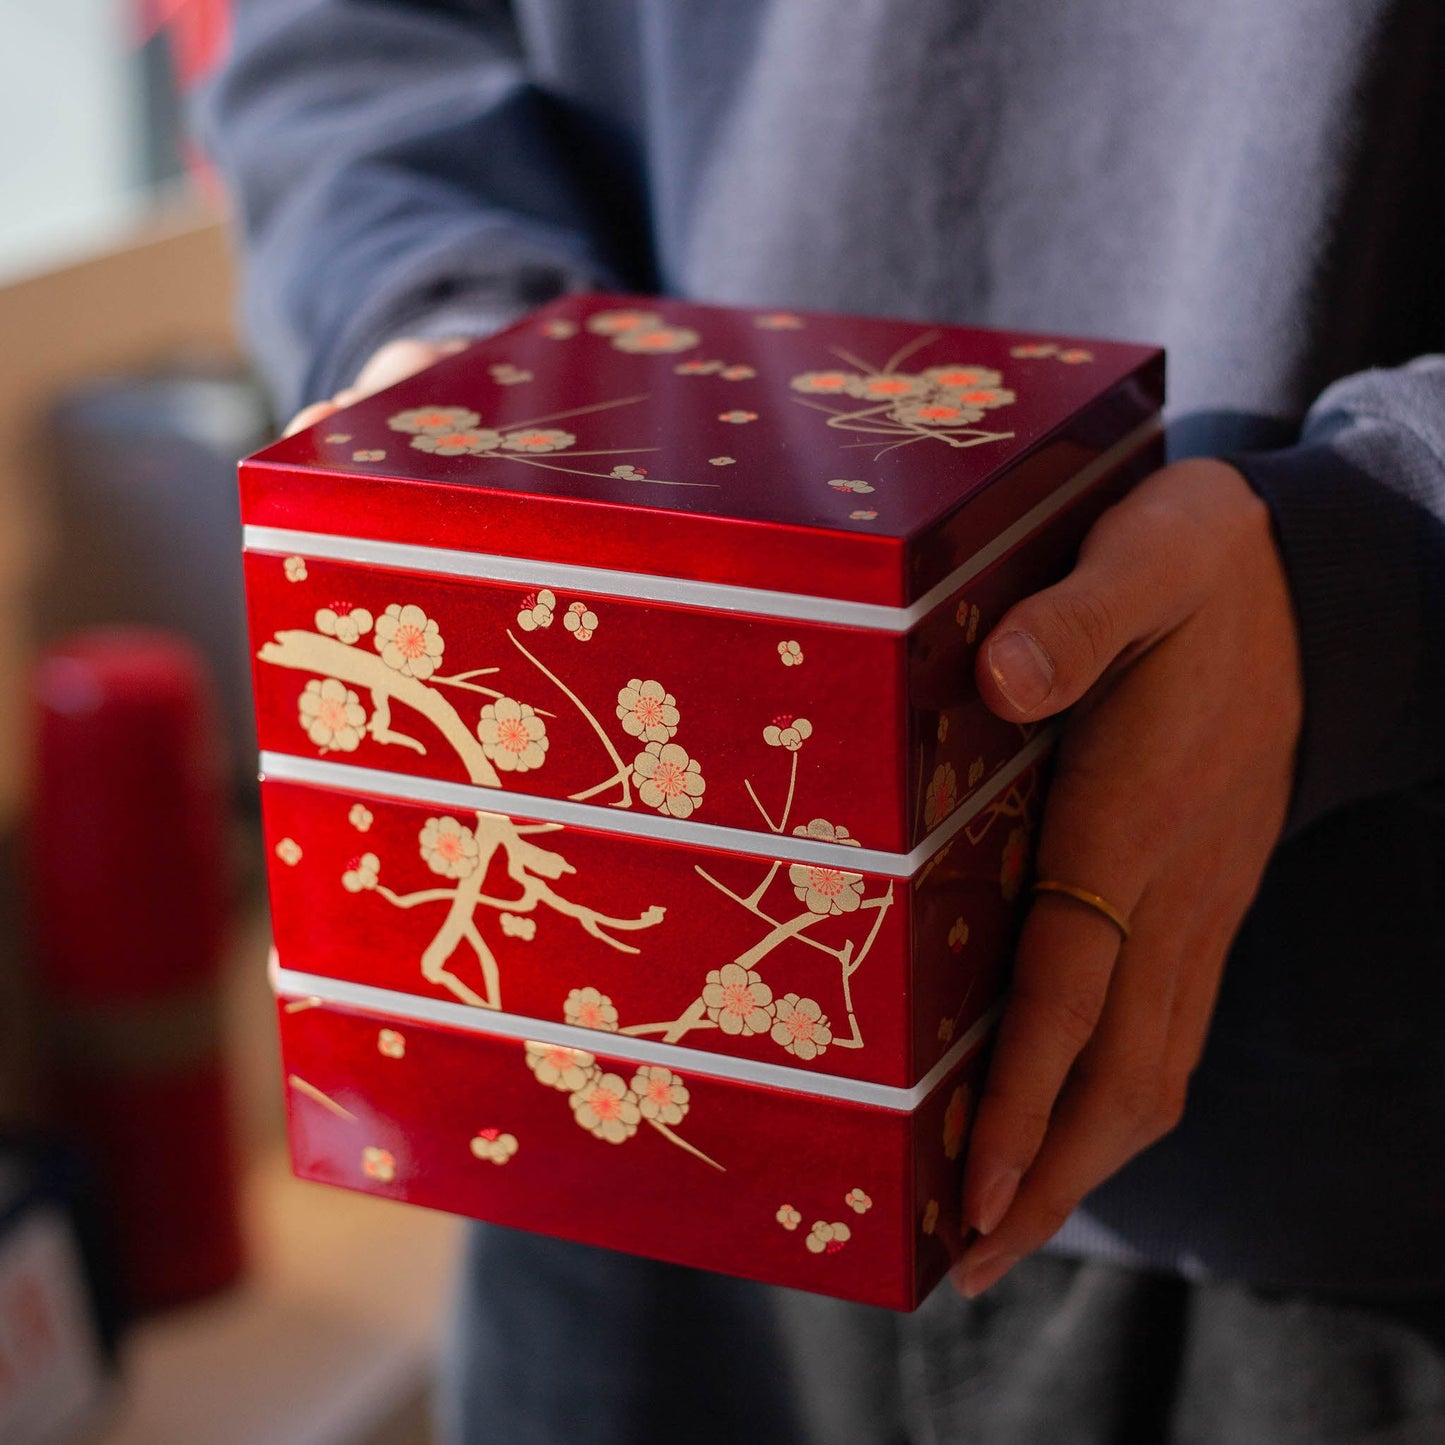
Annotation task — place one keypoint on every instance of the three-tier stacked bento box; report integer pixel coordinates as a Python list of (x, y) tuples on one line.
[(643, 862)]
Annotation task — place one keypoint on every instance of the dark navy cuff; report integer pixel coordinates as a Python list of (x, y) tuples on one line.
[(1366, 570)]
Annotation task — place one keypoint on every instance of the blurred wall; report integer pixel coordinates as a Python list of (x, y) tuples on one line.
[(166, 290)]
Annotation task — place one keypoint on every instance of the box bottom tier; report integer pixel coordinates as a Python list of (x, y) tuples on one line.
[(838, 1195)]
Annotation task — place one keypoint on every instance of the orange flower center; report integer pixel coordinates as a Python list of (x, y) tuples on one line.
[(669, 779), (659, 1091), (512, 735), (888, 386), (449, 845), (410, 641), (938, 412), (589, 1015), (738, 999), (332, 714), (827, 881), (605, 1103), (800, 1025)]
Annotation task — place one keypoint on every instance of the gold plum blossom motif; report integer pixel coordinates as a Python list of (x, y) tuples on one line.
[(660, 1094), (738, 417), (863, 514), (331, 715), (967, 618), (580, 621), (512, 735), (942, 403), (360, 817), (642, 332), (467, 442), (857, 1201), (778, 321), (942, 795), (661, 340), (957, 936), (504, 373), (820, 830), (647, 710), (434, 420), (945, 1030), (668, 780), (862, 488), (538, 439), (930, 1217), (295, 569), (288, 850), (559, 1067), (586, 1008), (955, 1122), (514, 927), (537, 609), (827, 1238), (826, 890), (943, 727), (362, 874), (788, 1217), (559, 330), (791, 654), (493, 1145), (409, 641), (345, 623), (607, 1108), (800, 1026), (737, 1000), (448, 847), (721, 461), (369, 454), (390, 1044), (787, 732), (378, 1164)]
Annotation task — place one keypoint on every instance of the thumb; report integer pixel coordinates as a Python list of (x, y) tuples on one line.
[(1130, 587)]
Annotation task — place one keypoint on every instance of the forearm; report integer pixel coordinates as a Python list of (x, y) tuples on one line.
[(393, 168)]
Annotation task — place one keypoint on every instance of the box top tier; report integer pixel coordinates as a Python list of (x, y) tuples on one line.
[(793, 452)]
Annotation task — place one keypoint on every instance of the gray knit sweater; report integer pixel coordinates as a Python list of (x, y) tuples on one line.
[(1253, 183)]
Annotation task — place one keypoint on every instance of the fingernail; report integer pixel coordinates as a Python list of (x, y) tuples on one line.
[(973, 1280), (995, 1198), (1022, 669)]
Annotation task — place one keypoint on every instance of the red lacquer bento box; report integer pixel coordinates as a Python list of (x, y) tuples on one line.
[(614, 686)]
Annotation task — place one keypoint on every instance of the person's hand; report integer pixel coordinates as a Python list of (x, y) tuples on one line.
[(390, 364), (1175, 637)]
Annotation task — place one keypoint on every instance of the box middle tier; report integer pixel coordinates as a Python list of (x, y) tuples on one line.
[(804, 951)]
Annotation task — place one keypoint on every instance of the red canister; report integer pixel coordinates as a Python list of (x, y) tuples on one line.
[(129, 895)]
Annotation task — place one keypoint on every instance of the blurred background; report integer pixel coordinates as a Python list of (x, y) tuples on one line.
[(162, 1278)]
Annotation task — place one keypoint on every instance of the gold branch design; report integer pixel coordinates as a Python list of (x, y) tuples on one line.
[(311, 652)]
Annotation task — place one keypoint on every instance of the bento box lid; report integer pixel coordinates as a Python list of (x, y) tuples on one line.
[(828, 456)]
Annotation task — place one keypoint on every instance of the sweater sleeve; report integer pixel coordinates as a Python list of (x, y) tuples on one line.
[(1358, 507), (391, 162)]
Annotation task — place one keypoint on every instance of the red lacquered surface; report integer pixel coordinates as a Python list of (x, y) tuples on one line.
[(842, 457), (778, 722), (127, 860), (695, 946), (662, 1162)]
